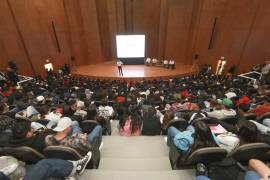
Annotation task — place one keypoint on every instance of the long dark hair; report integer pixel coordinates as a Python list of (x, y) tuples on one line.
[(203, 136), (247, 132), (136, 123), (91, 112), (132, 114)]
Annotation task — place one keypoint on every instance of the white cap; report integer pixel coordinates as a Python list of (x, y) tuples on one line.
[(40, 98), (80, 104), (230, 95), (62, 124)]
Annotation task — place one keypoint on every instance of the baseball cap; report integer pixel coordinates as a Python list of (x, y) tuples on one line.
[(40, 98), (227, 102), (62, 124)]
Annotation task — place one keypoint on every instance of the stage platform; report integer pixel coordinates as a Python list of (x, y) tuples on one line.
[(131, 72)]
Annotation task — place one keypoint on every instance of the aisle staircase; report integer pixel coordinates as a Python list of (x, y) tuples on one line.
[(135, 158)]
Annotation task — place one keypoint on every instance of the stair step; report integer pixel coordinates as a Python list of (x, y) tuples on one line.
[(134, 147), (135, 164), (137, 175)]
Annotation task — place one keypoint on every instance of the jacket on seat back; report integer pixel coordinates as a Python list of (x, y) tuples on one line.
[(185, 139)]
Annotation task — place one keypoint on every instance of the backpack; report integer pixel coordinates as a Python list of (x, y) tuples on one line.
[(228, 169), (11, 167)]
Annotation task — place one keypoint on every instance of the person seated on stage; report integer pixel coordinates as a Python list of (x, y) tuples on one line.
[(171, 64), (165, 63), (148, 61), (79, 141), (154, 62)]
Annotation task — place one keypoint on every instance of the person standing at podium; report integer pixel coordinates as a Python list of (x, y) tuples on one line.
[(119, 65)]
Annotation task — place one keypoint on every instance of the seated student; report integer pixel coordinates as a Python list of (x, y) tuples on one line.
[(80, 109), (5, 110), (172, 64), (52, 168), (105, 110), (168, 116), (196, 136), (166, 63), (130, 122), (225, 110), (92, 114), (148, 61), (130, 126), (151, 122), (78, 141), (154, 62), (24, 135), (261, 109), (6, 124)]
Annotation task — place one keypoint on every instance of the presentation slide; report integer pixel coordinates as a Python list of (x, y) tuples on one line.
[(130, 46)]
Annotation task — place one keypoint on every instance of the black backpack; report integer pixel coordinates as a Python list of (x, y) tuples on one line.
[(228, 169)]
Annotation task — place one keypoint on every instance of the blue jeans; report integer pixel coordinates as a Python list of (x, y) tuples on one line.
[(252, 175), (202, 178), (96, 133), (48, 168), (172, 131)]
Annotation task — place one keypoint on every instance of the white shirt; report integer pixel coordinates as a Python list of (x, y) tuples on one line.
[(148, 60), (165, 62), (171, 62), (223, 113), (119, 63), (154, 60)]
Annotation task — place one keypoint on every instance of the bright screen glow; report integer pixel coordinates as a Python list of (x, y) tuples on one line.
[(130, 46)]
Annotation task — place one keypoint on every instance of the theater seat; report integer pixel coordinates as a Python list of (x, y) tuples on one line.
[(180, 124), (204, 155), (67, 153), (61, 152), (23, 153), (261, 118), (1, 152), (250, 151), (250, 116), (88, 125)]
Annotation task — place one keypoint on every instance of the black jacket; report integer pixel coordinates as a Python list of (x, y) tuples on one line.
[(36, 142), (151, 126)]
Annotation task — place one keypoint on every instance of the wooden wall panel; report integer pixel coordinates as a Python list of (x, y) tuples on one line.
[(163, 28), (146, 17), (257, 49), (92, 34), (177, 29), (180, 13), (11, 46), (209, 11), (120, 16), (234, 30), (76, 29)]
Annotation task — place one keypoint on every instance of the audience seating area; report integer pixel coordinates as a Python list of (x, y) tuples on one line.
[(196, 117)]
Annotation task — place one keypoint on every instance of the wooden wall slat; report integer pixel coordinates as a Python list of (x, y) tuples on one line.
[(176, 29)]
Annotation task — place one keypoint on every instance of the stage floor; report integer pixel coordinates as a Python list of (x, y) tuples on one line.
[(131, 72)]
